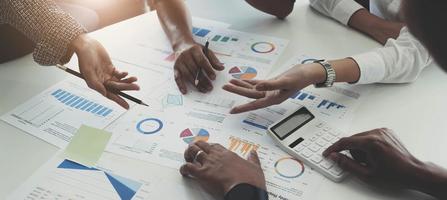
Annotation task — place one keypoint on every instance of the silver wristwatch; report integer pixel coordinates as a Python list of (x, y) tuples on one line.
[(330, 74)]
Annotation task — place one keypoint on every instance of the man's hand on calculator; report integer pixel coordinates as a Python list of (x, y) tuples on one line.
[(378, 157)]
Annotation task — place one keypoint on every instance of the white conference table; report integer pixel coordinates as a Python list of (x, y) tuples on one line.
[(415, 111)]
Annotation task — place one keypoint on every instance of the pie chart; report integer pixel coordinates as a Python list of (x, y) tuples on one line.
[(243, 72), (191, 135)]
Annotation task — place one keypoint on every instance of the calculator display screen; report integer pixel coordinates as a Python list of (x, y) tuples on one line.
[(292, 123)]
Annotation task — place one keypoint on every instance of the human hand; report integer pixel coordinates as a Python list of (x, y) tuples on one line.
[(276, 90), (378, 157), (99, 72), (218, 169), (192, 60)]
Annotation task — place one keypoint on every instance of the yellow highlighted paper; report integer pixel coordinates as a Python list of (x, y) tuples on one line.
[(87, 145)]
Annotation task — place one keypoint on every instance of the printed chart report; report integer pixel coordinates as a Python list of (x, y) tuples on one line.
[(64, 179), (160, 133), (55, 114)]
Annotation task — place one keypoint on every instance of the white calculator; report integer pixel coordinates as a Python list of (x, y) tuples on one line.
[(305, 137)]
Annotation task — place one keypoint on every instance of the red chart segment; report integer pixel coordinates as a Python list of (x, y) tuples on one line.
[(191, 135)]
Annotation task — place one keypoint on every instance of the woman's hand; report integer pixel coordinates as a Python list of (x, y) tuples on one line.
[(98, 71), (276, 90), (189, 61), (218, 169)]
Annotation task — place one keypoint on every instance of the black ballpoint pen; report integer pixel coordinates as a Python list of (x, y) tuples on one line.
[(122, 94), (205, 51)]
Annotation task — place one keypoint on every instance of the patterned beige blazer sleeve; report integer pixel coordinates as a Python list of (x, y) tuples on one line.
[(49, 27)]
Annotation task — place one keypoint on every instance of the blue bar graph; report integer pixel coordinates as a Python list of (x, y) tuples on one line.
[(67, 99), (86, 105), (97, 109), (102, 111), (107, 112), (76, 102), (91, 107), (72, 100), (59, 94), (80, 103), (63, 96), (195, 30), (200, 32), (302, 96), (325, 104)]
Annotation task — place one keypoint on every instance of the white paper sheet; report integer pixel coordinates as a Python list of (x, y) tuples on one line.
[(55, 114)]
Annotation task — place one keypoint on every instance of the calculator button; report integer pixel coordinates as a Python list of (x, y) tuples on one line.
[(336, 170), (335, 133), (320, 133), (319, 125), (321, 142), (327, 164), (320, 152), (306, 153), (335, 139), (327, 128), (306, 143), (313, 138), (299, 148), (314, 147), (316, 159), (328, 137)]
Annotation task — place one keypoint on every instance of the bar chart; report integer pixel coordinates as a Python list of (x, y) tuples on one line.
[(241, 147), (80, 103), (56, 113), (200, 32), (317, 101)]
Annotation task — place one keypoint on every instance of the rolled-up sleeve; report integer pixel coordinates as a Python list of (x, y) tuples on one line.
[(49, 27), (340, 10), (401, 60)]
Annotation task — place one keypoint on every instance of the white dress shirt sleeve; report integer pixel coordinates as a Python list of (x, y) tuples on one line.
[(341, 10), (401, 60)]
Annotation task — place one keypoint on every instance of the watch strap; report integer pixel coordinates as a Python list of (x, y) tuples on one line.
[(330, 74)]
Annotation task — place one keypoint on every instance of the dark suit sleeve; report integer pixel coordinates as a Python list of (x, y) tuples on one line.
[(245, 191)]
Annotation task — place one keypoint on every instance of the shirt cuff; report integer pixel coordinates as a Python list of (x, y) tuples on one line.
[(372, 67), (54, 47), (344, 10)]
